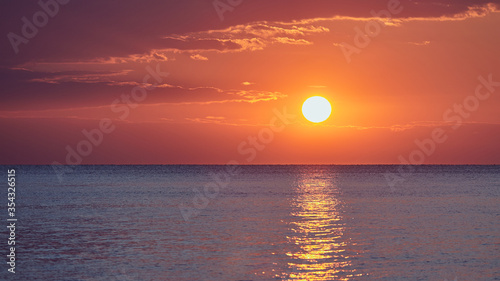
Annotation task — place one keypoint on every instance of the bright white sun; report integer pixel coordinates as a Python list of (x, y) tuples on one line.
[(316, 109)]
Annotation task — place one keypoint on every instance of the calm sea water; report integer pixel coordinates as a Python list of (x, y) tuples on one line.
[(263, 223)]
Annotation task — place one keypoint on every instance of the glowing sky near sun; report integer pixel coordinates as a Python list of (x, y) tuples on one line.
[(175, 82)]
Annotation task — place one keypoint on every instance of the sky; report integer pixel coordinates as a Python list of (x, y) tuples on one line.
[(216, 82)]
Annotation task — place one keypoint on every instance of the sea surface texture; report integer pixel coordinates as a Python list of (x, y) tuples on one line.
[(255, 223)]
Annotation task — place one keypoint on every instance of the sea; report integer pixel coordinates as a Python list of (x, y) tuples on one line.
[(256, 222)]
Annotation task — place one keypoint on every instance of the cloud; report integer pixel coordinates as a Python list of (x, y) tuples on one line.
[(422, 43), (198, 57), (119, 31), (397, 128), (472, 11), (82, 77), (218, 120), (258, 35), (70, 91), (240, 96), (250, 37)]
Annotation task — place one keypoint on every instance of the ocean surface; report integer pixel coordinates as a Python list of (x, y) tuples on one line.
[(255, 223)]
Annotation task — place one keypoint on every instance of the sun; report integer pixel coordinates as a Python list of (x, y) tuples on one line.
[(316, 109)]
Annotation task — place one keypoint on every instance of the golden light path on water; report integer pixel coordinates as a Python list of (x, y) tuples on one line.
[(319, 245)]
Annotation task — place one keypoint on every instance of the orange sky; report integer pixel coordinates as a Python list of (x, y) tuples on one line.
[(227, 78)]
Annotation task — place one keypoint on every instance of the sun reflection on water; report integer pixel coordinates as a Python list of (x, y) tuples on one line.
[(317, 229)]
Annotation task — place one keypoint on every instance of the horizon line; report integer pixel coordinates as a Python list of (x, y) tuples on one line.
[(249, 164)]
